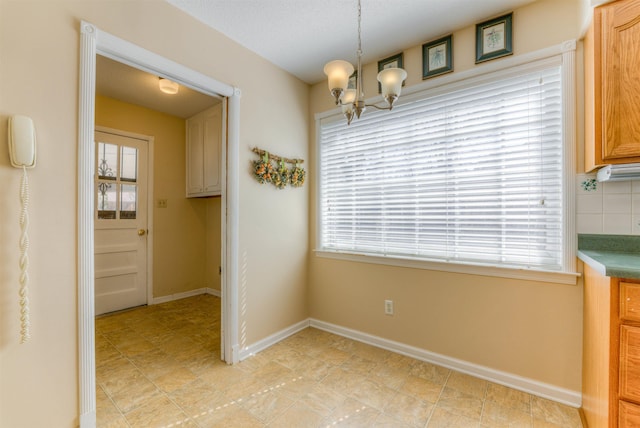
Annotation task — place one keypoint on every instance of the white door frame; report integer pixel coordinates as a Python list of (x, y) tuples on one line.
[(95, 41), (150, 146)]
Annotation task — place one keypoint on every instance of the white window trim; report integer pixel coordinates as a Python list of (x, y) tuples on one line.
[(566, 51)]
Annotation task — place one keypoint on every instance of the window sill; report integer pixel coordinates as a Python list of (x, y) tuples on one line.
[(465, 268)]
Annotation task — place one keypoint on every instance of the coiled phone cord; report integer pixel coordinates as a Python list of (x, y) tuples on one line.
[(25, 325)]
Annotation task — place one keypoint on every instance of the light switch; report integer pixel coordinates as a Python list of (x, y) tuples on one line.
[(162, 203)]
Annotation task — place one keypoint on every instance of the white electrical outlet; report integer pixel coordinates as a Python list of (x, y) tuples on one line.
[(388, 307)]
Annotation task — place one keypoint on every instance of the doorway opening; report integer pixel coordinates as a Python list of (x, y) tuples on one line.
[(93, 42), (181, 193)]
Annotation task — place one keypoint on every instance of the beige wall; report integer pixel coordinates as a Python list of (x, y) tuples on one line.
[(213, 242), (39, 52), (526, 328), (184, 234), (523, 327)]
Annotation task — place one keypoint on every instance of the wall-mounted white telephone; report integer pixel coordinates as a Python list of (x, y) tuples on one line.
[(22, 153), (22, 142)]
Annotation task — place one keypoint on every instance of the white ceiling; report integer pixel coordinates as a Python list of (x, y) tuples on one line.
[(128, 84), (301, 36)]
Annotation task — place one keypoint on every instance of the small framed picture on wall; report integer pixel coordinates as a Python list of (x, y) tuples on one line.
[(436, 57), (353, 80), (494, 38)]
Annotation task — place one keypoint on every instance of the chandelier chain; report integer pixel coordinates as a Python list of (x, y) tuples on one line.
[(359, 28), (359, 86)]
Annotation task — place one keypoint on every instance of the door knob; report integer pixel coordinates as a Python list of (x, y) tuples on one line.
[(141, 232)]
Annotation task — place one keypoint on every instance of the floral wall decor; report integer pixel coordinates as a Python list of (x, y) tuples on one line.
[(273, 169)]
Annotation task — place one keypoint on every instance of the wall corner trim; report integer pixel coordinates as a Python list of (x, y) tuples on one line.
[(568, 45)]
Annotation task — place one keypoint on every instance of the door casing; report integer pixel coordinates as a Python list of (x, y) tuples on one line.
[(95, 41)]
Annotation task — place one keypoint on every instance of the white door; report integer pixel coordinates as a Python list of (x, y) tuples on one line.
[(120, 246)]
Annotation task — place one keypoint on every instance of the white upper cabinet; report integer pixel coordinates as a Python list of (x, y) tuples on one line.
[(204, 153)]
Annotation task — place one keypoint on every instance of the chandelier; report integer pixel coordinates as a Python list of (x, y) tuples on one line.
[(352, 100)]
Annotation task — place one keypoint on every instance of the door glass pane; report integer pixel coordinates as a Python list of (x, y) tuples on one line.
[(128, 201), (107, 161), (106, 201), (129, 164)]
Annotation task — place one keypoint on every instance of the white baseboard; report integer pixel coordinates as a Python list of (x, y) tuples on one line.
[(213, 292), (560, 395), (190, 293), (531, 386), (272, 340), (178, 296)]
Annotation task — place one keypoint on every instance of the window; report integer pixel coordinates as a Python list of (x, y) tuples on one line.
[(472, 174), (117, 188)]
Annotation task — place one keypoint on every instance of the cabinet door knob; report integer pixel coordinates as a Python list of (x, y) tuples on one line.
[(141, 232)]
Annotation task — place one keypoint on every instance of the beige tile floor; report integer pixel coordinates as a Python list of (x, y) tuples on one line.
[(158, 366)]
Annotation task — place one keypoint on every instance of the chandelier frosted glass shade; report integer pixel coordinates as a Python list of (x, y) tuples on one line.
[(391, 81), (338, 72), (348, 102), (347, 99)]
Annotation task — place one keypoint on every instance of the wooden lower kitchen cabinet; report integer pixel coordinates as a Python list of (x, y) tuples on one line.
[(629, 414), (611, 351)]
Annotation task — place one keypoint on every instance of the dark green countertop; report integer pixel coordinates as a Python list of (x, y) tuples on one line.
[(611, 255)]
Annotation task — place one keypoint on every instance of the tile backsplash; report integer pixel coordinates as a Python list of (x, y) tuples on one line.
[(613, 207)]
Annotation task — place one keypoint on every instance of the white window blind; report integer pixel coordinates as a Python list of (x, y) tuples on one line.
[(472, 175)]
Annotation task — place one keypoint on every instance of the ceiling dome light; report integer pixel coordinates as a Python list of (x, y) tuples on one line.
[(167, 86)]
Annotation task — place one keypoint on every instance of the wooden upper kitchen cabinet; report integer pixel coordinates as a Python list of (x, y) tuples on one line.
[(612, 85)]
